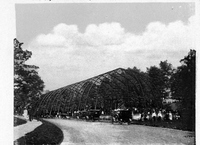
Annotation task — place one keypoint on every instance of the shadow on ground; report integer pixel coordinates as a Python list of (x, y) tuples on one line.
[(47, 133), (18, 121)]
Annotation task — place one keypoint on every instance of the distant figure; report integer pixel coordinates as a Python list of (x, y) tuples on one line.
[(167, 116), (37, 115), (30, 113), (177, 115), (159, 115), (57, 115), (148, 116), (142, 116), (170, 116), (25, 114), (154, 116)]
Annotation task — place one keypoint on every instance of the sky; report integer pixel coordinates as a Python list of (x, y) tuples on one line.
[(72, 42)]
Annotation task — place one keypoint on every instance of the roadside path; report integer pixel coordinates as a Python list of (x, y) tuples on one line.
[(98, 133), (23, 129)]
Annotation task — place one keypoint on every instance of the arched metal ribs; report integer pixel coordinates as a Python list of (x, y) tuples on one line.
[(99, 78), (44, 100), (77, 94), (58, 96)]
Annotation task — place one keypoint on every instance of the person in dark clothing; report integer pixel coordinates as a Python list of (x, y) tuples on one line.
[(30, 113)]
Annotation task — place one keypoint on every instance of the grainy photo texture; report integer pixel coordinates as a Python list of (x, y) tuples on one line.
[(105, 73)]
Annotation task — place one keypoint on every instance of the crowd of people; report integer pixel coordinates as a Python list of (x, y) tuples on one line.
[(133, 114), (156, 114)]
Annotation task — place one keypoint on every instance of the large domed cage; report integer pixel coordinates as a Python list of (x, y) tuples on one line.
[(115, 89)]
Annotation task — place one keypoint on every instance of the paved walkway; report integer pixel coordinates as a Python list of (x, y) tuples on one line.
[(23, 129), (99, 133)]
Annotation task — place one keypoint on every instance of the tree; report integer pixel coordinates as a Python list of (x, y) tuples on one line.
[(183, 87), (157, 82), (28, 85), (166, 70), (142, 91), (160, 80), (130, 88)]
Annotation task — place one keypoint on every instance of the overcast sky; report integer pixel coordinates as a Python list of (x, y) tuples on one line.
[(73, 42)]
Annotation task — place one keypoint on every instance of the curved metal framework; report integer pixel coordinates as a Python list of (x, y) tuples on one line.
[(76, 96)]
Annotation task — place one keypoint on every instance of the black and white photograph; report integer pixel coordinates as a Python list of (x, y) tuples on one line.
[(104, 73)]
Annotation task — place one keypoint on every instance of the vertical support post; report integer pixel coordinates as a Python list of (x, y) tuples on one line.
[(111, 109)]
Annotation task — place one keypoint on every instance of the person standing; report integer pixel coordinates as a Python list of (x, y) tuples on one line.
[(154, 116), (30, 113), (25, 114), (159, 115), (170, 116)]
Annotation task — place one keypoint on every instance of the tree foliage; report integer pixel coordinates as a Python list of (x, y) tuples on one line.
[(27, 83), (130, 88), (183, 87), (183, 80), (167, 71), (160, 79)]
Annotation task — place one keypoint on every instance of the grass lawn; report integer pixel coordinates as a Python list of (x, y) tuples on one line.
[(18, 121), (46, 133)]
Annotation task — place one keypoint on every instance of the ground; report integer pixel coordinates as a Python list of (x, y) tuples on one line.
[(98, 133)]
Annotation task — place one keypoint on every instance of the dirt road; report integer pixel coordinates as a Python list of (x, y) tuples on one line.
[(98, 133)]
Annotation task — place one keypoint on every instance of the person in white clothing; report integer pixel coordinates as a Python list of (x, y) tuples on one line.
[(154, 116), (170, 116), (25, 114), (159, 115), (148, 116)]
